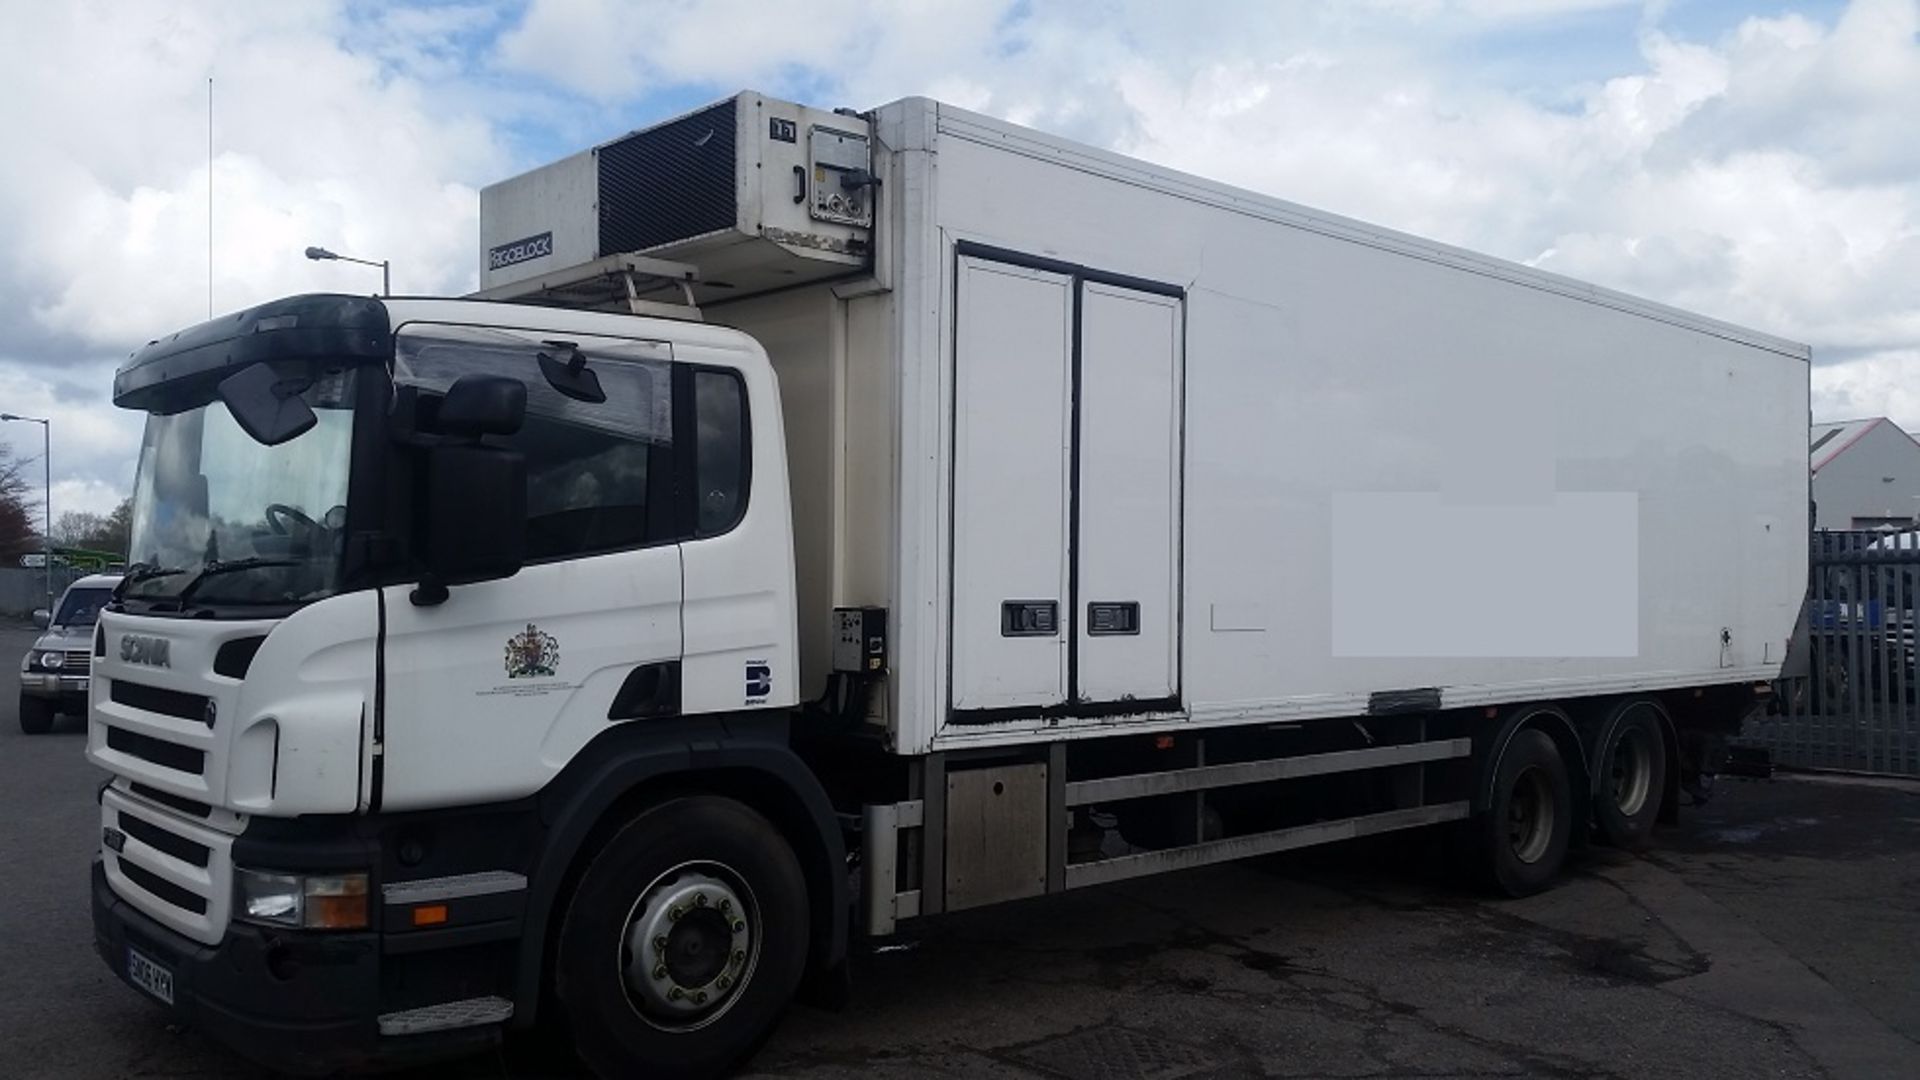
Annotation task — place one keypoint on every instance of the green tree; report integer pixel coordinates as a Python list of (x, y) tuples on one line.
[(18, 507), (78, 528), (95, 532), (119, 531)]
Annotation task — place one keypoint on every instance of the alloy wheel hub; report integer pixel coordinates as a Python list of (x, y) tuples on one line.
[(688, 946)]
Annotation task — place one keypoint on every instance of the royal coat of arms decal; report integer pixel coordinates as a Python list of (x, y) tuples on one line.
[(532, 653)]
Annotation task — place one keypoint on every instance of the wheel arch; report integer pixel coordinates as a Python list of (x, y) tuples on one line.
[(632, 767), (1607, 715), (1559, 726)]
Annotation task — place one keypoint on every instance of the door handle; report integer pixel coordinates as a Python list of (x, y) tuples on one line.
[(650, 691)]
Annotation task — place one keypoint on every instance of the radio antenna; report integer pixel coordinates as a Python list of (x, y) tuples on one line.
[(209, 196)]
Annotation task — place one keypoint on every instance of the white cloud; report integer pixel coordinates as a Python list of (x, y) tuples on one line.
[(103, 203), (85, 495), (1879, 384), (314, 145), (93, 445), (1495, 10), (618, 49), (1769, 174), (1768, 177)]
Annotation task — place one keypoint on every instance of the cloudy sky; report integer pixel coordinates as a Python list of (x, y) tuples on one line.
[(1759, 162)]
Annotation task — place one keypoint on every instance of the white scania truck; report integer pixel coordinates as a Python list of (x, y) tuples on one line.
[(823, 520)]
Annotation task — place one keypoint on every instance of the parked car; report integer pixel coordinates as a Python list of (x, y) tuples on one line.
[(53, 674)]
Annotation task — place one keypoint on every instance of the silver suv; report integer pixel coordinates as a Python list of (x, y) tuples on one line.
[(53, 674)]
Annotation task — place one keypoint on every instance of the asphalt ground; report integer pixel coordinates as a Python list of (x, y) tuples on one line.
[(1773, 933)]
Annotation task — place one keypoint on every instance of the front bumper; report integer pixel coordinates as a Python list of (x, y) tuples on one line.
[(304, 1003), (51, 684)]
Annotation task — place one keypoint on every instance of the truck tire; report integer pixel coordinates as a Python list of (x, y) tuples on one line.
[(683, 942), (1630, 776), (1522, 838), (36, 715)]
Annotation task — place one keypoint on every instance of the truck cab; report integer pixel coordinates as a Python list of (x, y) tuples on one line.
[(397, 565)]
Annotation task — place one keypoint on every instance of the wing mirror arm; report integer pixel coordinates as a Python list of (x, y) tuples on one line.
[(429, 592)]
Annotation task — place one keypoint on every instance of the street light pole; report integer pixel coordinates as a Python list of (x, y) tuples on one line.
[(319, 254), (46, 461), (46, 475)]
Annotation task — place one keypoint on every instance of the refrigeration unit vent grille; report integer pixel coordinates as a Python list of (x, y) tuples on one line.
[(669, 183)]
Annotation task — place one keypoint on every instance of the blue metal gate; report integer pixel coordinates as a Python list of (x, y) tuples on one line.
[(1856, 707)]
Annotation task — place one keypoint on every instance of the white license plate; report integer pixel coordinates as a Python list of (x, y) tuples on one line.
[(148, 975)]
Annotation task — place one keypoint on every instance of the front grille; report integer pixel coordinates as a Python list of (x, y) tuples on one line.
[(160, 752), (185, 806), (160, 839), (154, 699), (669, 183), (162, 888), (177, 871), (78, 661)]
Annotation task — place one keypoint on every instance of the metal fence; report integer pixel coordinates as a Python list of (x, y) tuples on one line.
[(23, 589), (1858, 706)]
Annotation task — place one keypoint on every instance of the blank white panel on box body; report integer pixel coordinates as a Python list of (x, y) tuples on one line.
[(1014, 341), (1455, 594), (1127, 607)]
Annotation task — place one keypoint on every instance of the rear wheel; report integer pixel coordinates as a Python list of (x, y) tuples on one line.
[(1522, 838), (684, 941), (36, 715), (1630, 767)]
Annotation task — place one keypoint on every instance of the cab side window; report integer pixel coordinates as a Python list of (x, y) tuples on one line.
[(587, 489), (610, 475), (722, 454), (600, 474)]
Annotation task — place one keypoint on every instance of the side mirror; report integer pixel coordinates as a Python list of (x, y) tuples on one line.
[(42, 618), (569, 373), (473, 524), (267, 407), (478, 405)]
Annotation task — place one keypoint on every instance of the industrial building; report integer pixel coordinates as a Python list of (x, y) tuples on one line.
[(1866, 474)]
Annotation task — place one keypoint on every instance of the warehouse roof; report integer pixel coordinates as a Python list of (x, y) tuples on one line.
[(1826, 441)]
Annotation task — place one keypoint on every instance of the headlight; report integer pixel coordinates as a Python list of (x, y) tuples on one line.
[(52, 660), (308, 901)]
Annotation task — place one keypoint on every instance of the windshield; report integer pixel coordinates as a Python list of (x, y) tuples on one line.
[(226, 520), (80, 607)]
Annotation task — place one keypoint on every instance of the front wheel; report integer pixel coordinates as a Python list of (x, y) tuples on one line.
[(1522, 838), (684, 941), (36, 715)]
